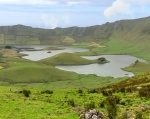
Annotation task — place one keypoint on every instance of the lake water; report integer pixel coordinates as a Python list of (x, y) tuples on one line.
[(38, 55), (113, 69)]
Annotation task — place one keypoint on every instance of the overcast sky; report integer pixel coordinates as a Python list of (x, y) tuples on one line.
[(66, 13)]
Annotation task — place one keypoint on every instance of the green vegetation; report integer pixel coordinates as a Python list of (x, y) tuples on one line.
[(39, 74), (29, 90), (10, 53), (138, 67), (120, 37), (69, 103), (38, 90), (66, 96), (66, 59), (27, 71)]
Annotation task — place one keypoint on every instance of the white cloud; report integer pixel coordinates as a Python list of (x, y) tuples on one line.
[(123, 7), (51, 21), (118, 7)]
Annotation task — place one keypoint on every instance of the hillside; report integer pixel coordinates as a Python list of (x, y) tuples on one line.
[(120, 37), (67, 59), (129, 30)]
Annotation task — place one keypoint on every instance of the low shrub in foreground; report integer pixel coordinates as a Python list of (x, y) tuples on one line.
[(90, 105), (71, 103), (80, 91), (47, 92), (112, 107), (26, 93), (145, 92)]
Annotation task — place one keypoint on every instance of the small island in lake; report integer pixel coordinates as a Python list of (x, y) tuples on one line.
[(102, 60)]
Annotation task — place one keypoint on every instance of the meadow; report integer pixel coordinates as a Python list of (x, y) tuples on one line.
[(45, 103)]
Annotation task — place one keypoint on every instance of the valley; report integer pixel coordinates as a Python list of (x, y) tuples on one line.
[(36, 88)]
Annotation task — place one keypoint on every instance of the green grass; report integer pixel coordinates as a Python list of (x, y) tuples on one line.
[(25, 71), (33, 72), (56, 106), (82, 45), (138, 49), (22, 74), (67, 59), (83, 81), (138, 67)]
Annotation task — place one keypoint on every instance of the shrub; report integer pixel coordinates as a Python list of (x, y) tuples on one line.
[(123, 90), (125, 115), (129, 89), (106, 93), (93, 91), (144, 92), (80, 91), (26, 93), (90, 105), (102, 104), (71, 102), (47, 92), (138, 115), (123, 103), (112, 107)]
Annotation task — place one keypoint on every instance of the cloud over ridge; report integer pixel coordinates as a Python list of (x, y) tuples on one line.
[(123, 7)]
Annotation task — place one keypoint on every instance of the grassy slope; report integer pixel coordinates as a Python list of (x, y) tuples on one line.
[(56, 106), (27, 71), (67, 59), (128, 37), (117, 46), (138, 67), (35, 74)]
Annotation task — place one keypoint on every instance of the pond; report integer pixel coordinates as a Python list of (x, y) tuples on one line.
[(113, 68), (38, 55)]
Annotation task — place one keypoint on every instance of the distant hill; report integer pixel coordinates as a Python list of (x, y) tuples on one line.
[(120, 37), (136, 30)]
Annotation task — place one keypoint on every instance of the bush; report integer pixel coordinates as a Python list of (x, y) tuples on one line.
[(123, 90), (47, 92), (144, 92), (26, 93), (106, 93), (125, 115), (71, 102), (90, 105), (112, 107), (102, 104), (80, 91), (93, 91), (129, 89), (138, 115)]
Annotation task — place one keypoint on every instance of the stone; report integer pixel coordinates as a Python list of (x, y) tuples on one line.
[(92, 114)]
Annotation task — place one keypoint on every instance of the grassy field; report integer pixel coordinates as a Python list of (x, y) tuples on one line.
[(43, 103)]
